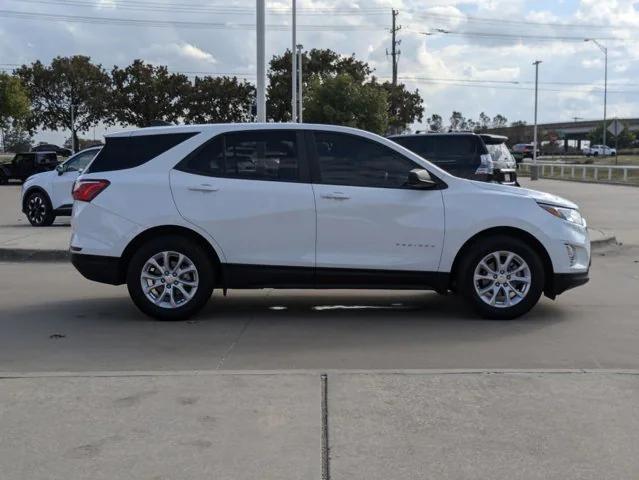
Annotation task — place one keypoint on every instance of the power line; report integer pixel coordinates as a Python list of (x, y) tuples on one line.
[(175, 23), (518, 36), (204, 8)]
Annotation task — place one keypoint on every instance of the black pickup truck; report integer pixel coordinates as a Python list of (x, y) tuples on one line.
[(26, 164)]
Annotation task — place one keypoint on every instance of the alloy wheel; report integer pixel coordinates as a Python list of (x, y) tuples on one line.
[(502, 279), (169, 279), (36, 209)]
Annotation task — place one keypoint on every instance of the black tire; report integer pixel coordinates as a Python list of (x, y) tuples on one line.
[(38, 209), (3, 178), (596, 154), (200, 259), (486, 246)]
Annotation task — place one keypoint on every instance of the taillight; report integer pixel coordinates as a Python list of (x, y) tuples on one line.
[(87, 190)]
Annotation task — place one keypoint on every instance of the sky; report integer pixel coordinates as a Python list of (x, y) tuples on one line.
[(466, 55)]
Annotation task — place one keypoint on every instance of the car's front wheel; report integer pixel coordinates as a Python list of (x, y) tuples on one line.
[(38, 209), (170, 278), (502, 277)]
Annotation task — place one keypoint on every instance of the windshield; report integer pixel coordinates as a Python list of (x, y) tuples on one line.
[(500, 153)]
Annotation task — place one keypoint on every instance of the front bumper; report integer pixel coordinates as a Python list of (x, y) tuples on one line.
[(565, 281), (98, 268)]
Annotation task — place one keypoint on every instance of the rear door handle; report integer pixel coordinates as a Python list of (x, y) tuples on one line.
[(335, 196), (204, 187)]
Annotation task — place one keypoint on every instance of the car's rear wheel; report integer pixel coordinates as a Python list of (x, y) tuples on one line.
[(170, 278), (38, 209), (502, 277)]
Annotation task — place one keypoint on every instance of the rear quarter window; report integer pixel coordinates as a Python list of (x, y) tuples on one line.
[(422, 146), (120, 153)]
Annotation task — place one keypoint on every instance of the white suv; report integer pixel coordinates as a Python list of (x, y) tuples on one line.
[(175, 212), (47, 195)]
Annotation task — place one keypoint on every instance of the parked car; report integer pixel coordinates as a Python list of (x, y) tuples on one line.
[(49, 147), (175, 212), (463, 154), (47, 195), (597, 150), (23, 165), (521, 151)]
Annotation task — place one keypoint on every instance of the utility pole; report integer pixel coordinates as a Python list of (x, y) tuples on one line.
[(72, 129), (260, 21), (605, 52), (294, 66), (299, 84), (534, 173), (395, 53)]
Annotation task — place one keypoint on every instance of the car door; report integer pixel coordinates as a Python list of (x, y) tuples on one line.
[(250, 191), (24, 165), (62, 181), (367, 218)]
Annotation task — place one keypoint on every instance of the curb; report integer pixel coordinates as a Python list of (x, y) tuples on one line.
[(606, 239), (33, 255)]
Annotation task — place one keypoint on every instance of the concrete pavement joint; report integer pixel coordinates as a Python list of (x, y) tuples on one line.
[(325, 447), (232, 345), (189, 373)]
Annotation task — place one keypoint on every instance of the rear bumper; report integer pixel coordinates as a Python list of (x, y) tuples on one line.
[(98, 268), (566, 281)]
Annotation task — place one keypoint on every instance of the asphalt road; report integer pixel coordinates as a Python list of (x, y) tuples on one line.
[(53, 319)]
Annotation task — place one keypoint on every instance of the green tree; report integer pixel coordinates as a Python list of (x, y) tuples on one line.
[(315, 63), (405, 107), (484, 121), (82, 143), (499, 121), (143, 93), (16, 139), (624, 141), (14, 100), (218, 100), (435, 122), (342, 100), (68, 82), (457, 121)]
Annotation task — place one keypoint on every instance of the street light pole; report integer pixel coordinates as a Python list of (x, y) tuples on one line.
[(300, 117), (605, 52), (294, 66), (260, 21), (534, 174)]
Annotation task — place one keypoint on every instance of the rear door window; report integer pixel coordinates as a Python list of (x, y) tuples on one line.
[(271, 155), (120, 153)]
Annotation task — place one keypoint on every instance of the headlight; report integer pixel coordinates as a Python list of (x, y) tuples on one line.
[(569, 214)]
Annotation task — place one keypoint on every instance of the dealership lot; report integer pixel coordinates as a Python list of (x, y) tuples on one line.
[(418, 387)]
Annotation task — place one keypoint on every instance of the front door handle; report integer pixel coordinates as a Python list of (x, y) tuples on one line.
[(335, 196), (204, 187)]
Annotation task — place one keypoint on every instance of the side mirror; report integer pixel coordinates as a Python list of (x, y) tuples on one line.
[(60, 169), (420, 178)]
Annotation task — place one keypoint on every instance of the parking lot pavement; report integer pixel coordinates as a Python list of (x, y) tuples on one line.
[(160, 427), (515, 426), (17, 233), (52, 319), (408, 425)]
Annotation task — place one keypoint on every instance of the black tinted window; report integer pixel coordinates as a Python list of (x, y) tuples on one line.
[(207, 160), (120, 153), (351, 160), (422, 146), (455, 145), (262, 155), (256, 155)]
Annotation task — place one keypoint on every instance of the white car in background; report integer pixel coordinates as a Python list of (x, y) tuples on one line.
[(47, 195), (599, 150)]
